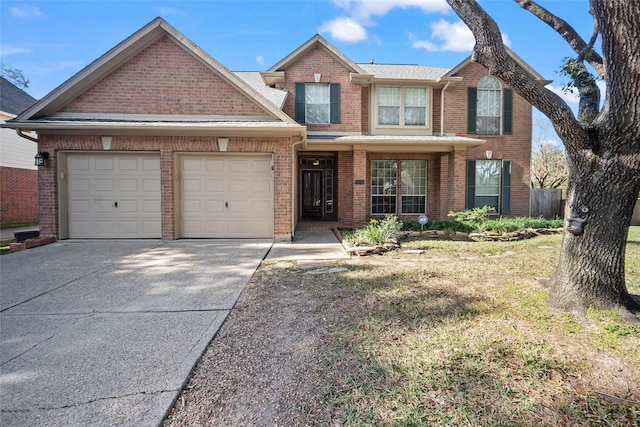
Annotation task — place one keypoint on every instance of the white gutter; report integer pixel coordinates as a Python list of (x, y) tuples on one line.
[(442, 108)]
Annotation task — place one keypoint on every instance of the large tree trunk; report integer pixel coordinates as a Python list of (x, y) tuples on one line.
[(603, 145), (591, 267)]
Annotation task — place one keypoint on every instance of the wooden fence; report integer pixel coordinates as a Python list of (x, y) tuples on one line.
[(546, 202)]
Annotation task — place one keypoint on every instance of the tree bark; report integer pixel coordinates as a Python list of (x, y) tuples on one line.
[(603, 148)]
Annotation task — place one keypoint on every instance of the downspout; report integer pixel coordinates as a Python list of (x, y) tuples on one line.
[(30, 138), (294, 177), (442, 108)]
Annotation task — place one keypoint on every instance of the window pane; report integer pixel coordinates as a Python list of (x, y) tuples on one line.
[(383, 186), (389, 105), (488, 183), (413, 178), (489, 107), (317, 103), (389, 115), (415, 116)]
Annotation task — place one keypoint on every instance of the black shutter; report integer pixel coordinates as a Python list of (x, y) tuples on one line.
[(506, 187), (472, 100), (300, 103), (507, 112), (334, 103), (471, 184)]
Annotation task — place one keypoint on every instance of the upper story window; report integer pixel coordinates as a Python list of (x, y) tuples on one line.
[(317, 103), (402, 106), (490, 108)]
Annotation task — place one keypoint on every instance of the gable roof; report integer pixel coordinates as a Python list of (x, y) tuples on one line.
[(120, 54), (13, 100), (405, 71), (513, 55), (255, 80), (314, 41)]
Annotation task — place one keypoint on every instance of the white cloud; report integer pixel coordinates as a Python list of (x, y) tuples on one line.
[(450, 37), (25, 11), (363, 10), (170, 11), (260, 59), (359, 13), (569, 96), (572, 96), (6, 49), (344, 29)]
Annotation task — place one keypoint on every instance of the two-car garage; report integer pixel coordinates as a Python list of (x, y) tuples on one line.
[(119, 195)]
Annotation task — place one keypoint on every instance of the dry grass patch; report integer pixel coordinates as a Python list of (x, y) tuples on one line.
[(469, 340)]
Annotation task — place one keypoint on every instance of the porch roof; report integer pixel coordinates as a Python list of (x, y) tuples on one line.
[(392, 143)]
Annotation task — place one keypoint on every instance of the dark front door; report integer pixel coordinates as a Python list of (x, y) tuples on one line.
[(312, 197)]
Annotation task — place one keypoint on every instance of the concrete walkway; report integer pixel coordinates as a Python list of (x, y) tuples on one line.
[(309, 245)]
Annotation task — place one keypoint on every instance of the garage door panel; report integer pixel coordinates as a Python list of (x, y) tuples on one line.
[(151, 185), (213, 165), (238, 185), (260, 187), (103, 164), (151, 206), (215, 185), (128, 184), (237, 193), (103, 206), (114, 195), (214, 207), (191, 206), (79, 184), (103, 184)]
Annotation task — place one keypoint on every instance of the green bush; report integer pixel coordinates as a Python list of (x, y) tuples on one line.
[(378, 232)]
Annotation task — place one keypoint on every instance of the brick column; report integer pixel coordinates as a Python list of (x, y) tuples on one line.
[(167, 183), (458, 174), (360, 188)]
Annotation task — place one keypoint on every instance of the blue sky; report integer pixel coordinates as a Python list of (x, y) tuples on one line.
[(50, 41)]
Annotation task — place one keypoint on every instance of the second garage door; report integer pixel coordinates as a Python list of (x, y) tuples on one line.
[(226, 196)]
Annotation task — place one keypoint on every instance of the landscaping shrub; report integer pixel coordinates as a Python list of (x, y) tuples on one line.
[(378, 232)]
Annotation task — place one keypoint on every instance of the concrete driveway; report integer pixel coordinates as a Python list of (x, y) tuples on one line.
[(106, 332)]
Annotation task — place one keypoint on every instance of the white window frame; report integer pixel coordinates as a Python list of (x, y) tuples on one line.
[(488, 165), (419, 188), (402, 128), (310, 90), (386, 183), (489, 106)]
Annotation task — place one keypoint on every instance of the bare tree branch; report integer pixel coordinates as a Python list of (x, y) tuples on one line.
[(491, 52), (567, 32)]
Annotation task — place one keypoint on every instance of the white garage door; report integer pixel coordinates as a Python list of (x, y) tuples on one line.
[(227, 196), (114, 196)]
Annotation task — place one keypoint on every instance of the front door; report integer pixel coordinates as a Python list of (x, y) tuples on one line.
[(312, 197)]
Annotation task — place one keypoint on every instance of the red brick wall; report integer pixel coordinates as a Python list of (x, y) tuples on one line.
[(320, 60), (167, 147), (18, 195), (345, 187), (164, 79), (515, 147)]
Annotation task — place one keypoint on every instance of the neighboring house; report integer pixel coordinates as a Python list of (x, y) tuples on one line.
[(18, 175), (157, 139)]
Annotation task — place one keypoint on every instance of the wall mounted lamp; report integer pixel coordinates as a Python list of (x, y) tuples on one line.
[(41, 157)]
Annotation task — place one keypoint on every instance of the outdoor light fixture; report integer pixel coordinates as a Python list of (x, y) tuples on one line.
[(41, 157), (316, 162)]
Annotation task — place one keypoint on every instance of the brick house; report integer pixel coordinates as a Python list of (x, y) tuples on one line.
[(157, 139), (18, 174)]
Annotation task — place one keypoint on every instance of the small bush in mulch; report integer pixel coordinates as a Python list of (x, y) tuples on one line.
[(474, 224)]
